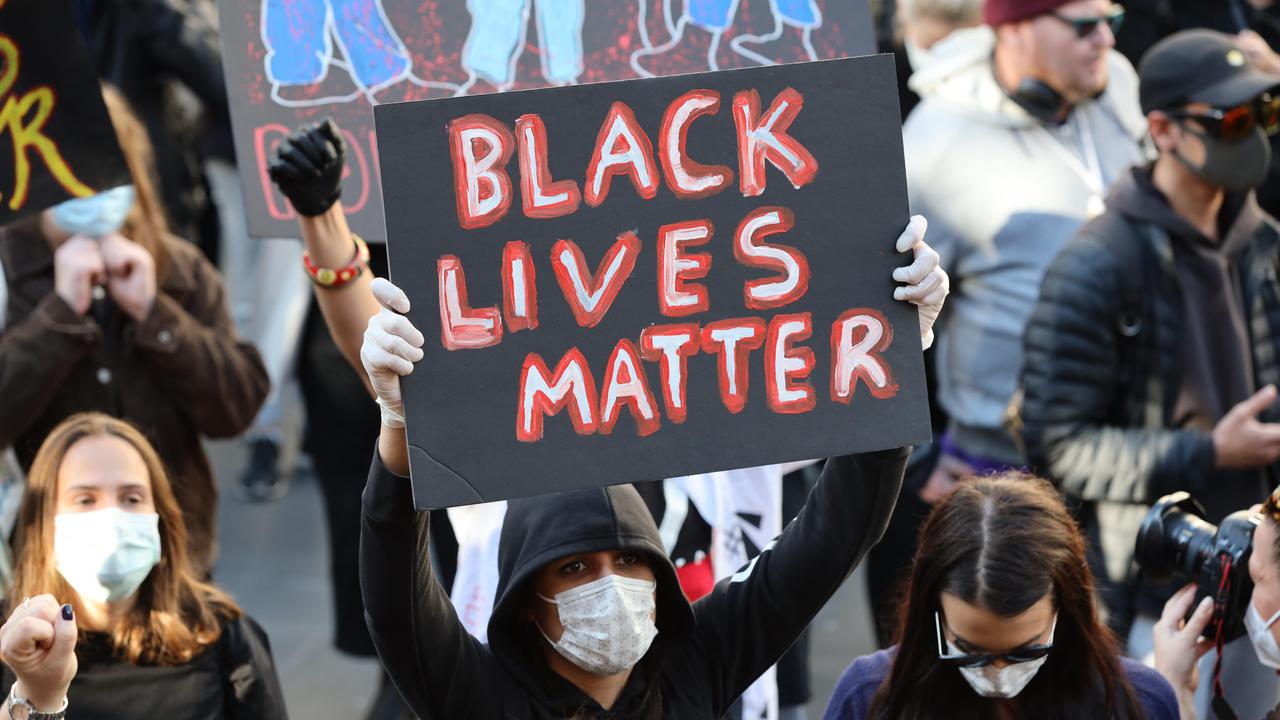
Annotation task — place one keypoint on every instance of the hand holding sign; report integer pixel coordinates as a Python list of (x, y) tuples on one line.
[(391, 346)]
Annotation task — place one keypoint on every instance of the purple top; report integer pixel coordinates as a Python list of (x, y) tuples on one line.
[(860, 681)]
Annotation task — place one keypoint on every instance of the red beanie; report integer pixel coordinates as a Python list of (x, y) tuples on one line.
[(1000, 12)]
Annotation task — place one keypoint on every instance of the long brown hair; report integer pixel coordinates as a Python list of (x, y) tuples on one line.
[(174, 614), (1002, 544), (145, 224)]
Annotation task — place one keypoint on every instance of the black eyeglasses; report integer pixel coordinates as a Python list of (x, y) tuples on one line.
[(1013, 657), (1236, 123), (1085, 26)]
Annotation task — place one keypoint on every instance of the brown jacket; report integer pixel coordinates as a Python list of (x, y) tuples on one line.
[(180, 374)]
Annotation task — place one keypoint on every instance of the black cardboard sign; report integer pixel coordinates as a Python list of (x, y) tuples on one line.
[(56, 140), (650, 278), (291, 62)]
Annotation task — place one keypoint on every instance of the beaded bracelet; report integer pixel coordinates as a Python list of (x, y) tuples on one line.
[(333, 278)]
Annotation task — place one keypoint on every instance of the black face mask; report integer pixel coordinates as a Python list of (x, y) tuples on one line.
[(1233, 166)]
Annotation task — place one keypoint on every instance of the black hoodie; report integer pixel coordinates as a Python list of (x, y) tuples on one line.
[(705, 655)]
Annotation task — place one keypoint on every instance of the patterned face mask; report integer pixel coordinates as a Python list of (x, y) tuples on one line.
[(608, 623)]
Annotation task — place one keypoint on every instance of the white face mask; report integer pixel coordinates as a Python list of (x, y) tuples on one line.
[(106, 554), (992, 682), (1264, 641), (96, 215), (608, 624)]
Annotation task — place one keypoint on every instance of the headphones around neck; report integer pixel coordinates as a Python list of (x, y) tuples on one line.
[(1039, 100)]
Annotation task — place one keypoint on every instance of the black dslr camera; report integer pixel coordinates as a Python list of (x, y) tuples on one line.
[(1175, 540)]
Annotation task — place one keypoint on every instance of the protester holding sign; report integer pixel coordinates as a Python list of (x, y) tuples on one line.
[(590, 620), (999, 621), (109, 312), (138, 633)]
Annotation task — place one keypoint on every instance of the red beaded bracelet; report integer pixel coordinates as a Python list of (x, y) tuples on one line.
[(332, 278)]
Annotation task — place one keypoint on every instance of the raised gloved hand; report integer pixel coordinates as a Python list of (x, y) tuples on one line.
[(924, 283), (391, 346), (308, 167)]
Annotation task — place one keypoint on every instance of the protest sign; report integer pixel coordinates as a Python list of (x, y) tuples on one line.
[(652, 278), (56, 140), (290, 62)]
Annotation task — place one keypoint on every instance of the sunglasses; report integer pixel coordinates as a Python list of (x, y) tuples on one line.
[(1085, 26), (1013, 657), (1236, 123)]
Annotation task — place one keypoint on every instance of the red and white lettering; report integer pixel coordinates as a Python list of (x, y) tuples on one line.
[(793, 282), (675, 298), (858, 337), (784, 364), (590, 295), (685, 177), (766, 138), (621, 148), (571, 386), (542, 197), (480, 181), (519, 287), (626, 384), (671, 346), (734, 340), (461, 326)]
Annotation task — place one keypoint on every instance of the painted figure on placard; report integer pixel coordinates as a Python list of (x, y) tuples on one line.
[(497, 38), (299, 36), (715, 17)]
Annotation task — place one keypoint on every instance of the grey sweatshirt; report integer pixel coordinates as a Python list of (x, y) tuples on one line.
[(1002, 192)]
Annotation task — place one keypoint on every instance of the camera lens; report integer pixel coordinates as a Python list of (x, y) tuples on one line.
[(1174, 539)]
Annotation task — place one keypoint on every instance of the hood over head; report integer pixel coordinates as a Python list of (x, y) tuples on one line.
[(540, 529)]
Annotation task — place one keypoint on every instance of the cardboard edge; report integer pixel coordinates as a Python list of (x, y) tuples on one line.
[(436, 486)]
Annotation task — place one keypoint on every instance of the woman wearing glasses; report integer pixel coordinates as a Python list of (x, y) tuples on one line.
[(998, 621)]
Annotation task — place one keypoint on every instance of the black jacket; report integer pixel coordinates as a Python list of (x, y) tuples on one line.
[(705, 655), (1102, 372)]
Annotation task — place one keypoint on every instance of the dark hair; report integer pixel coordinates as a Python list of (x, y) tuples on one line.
[(1003, 543)]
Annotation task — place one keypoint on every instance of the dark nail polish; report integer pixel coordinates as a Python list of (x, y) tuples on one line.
[(68, 613)]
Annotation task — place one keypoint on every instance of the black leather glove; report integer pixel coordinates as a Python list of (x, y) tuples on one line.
[(308, 167)]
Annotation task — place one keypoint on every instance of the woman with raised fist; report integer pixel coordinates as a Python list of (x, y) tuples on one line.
[(110, 618)]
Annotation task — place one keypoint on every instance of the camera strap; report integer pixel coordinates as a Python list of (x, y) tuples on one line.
[(1221, 708)]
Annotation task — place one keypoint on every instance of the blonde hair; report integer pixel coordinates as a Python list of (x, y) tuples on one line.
[(175, 615)]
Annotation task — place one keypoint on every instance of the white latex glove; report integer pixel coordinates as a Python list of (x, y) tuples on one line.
[(391, 346), (924, 283)]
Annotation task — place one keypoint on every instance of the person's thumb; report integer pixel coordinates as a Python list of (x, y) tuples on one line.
[(64, 632), (1255, 405)]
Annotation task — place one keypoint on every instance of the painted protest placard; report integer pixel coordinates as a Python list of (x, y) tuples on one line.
[(56, 140), (290, 62), (651, 278)]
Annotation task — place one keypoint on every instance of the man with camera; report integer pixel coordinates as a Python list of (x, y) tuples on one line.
[(1180, 641), (1154, 350)]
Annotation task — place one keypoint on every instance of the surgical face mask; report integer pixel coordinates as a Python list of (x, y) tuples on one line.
[(608, 624), (1233, 166), (1264, 641), (96, 215), (990, 681), (106, 554)]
